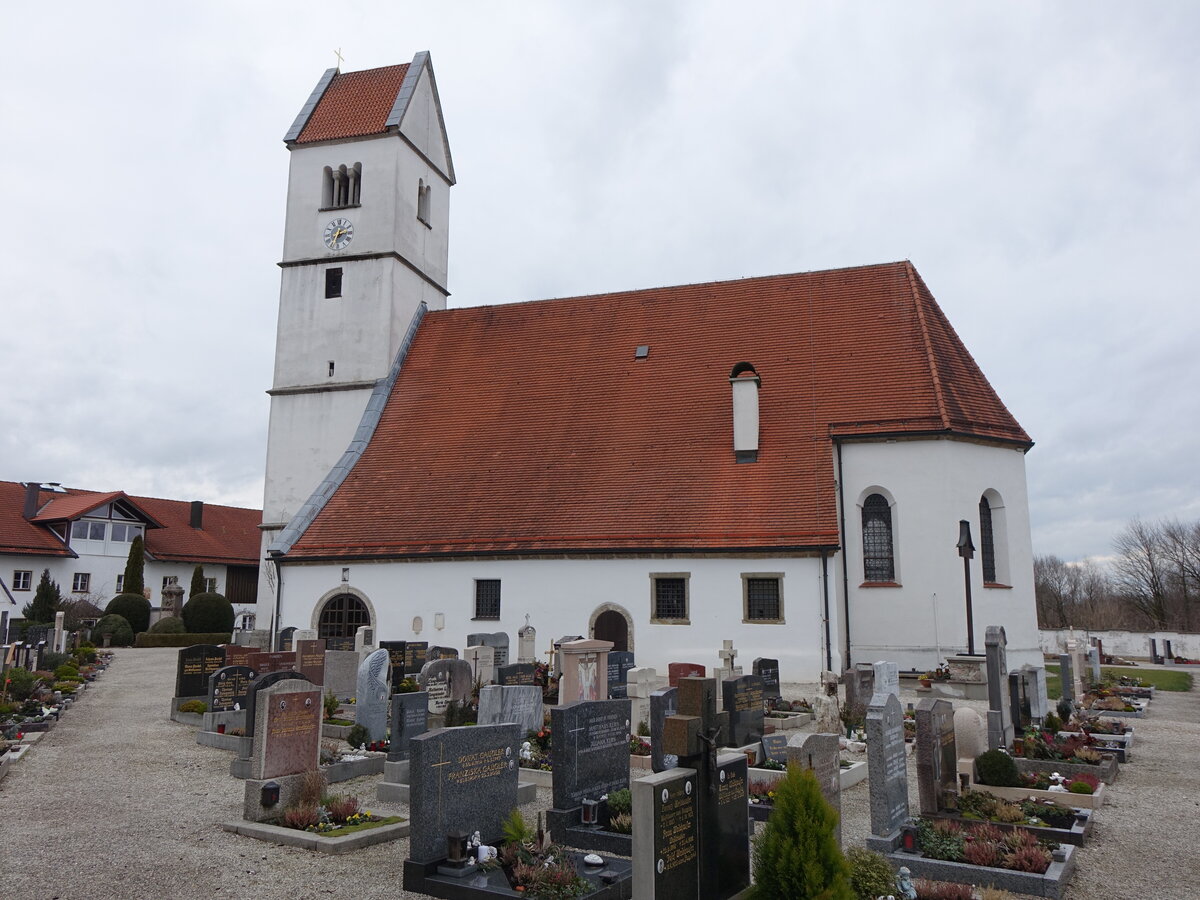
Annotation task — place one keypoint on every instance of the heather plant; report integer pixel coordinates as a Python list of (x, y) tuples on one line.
[(302, 816), (1029, 858), (342, 808), (942, 890), (940, 839)]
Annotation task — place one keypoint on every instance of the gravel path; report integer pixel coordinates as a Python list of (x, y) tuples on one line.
[(120, 802)]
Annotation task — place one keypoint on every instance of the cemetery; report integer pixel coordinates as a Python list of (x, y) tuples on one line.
[(601, 779)]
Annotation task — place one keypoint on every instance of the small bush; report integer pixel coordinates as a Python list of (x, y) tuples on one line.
[(341, 808), (117, 628), (301, 816), (515, 829), (134, 608), (1030, 858), (84, 654), (997, 769), (1064, 708), (643, 728), (1080, 787), (66, 670), (193, 706), (1083, 780), (208, 612), (620, 802), (870, 874), (940, 839), (20, 683), (1053, 724), (407, 686), (52, 660), (312, 788), (983, 853), (358, 737), (330, 704), (168, 625)]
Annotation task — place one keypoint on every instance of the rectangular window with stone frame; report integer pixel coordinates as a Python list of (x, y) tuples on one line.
[(762, 598), (22, 580), (487, 598), (80, 582), (669, 598)]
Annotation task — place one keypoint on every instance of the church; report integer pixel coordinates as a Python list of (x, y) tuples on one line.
[(781, 461)]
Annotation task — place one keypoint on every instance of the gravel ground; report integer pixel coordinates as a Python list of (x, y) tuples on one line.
[(120, 802)]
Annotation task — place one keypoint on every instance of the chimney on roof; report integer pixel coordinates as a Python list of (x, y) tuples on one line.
[(197, 518), (745, 382), (33, 499)]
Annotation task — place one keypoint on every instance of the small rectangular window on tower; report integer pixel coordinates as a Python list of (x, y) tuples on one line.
[(331, 368), (333, 283)]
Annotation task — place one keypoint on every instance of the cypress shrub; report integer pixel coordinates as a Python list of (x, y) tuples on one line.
[(135, 569), (168, 625), (208, 612), (133, 608), (197, 586), (797, 855), (47, 600), (117, 626)]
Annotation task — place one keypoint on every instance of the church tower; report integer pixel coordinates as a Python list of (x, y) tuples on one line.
[(365, 244)]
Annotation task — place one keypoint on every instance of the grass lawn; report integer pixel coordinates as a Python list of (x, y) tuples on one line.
[(1162, 679), (350, 829)]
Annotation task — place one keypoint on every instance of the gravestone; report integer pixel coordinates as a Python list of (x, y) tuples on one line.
[(371, 694), (410, 717), (1066, 677), (937, 756), (590, 752), (237, 655), (666, 861), (521, 704), (775, 747), (887, 771), (527, 643), (397, 655), (364, 639), (558, 657), (743, 702), (663, 703), (584, 671), (640, 684), (264, 661), (675, 671), (497, 640), (59, 644), (1039, 699), (619, 664), (482, 659), (261, 683), (1093, 657), (725, 667), (768, 671), (196, 664), (229, 688), (1000, 724), (1168, 652), (445, 681), (970, 735), (825, 715), (461, 780), (887, 678), (1018, 700), (819, 752), (310, 659), (341, 671), (860, 685), (415, 653), (441, 653), (285, 638), (285, 746), (516, 673), (1154, 657)]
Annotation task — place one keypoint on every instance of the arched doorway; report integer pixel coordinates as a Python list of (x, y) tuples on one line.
[(340, 618), (612, 624)]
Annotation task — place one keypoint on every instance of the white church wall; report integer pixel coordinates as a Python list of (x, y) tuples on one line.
[(560, 596), (1118, 642), (933, 484), (421, 124)]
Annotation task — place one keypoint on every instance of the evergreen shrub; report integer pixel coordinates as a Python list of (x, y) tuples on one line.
[(168, 625), (115, 626), (357, 737), (997, 769), (208, 612), (134, 608), (871, 875), (20, 684)]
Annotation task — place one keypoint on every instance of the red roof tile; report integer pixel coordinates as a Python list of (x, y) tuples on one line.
[(532, 428), (229, 534), (354, 104)]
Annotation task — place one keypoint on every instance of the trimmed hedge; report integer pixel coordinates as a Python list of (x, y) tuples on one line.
[(134, 608), (146, 639), (208, 613), (168, 625), (117, 627)]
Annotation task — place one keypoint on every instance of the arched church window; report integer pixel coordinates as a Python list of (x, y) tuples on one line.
[(987, 540), (342, 616), (423, 196), (879, 564)]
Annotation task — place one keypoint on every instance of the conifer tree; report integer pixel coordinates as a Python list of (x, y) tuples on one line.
[(135, 568), (197, 582), (47, 600), (797, 855)]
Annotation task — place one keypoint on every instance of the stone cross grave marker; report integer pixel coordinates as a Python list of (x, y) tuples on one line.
[(860, 685), (397, 653), (775, 747), (228, 688), (937, 756), (497, 640), (725, 668), (768, 671), (1000, 724), (310, 659), (887, 771), (663, 703), (887, 678), (743, 703), (675, 671), (584, 671), (371, 694), (482, 660), (445, 681), (619, 664), (590, 751), (461, 780), (521, 704), (410, 717), (819, 752), (196, 664), (516, 673)]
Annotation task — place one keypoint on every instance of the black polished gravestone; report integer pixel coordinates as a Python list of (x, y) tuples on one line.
[(196, 664), (229, 688), (410, 717), (667, 865), (663, 703), (743, 701), (436, 653), (397, 653), (768, 671), (619, 664), (517, 674), (415, 656), (775, 747)]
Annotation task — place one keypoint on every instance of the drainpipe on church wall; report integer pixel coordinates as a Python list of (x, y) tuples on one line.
[(825, 593), (277, 559), (845, 566)]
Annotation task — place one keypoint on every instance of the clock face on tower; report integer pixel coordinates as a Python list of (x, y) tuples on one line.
[(338, 234)]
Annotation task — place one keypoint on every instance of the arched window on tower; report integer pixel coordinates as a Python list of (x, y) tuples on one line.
[(423, 196), (993, 539), (341, 186), (987, 543), (879, 564)]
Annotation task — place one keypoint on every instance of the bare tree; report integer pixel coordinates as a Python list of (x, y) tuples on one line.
[(1052, 588), (1142, 568)]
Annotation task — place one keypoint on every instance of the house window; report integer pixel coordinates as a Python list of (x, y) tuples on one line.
[(120, 583), (487, 598), (80, 582), (762, 598), (169, 580), (424, 192), (22, 580), (670, 598), (987, 549), (879, 563), (88, 531), (210, 585), (333, 283), (341, 186), (124, 534)]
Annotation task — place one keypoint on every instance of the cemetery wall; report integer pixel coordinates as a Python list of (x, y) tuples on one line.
[(1125, 643), (932, 485)]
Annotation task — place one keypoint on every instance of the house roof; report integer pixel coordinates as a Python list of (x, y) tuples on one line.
[(229, 535), (532, 428), (354, 104)]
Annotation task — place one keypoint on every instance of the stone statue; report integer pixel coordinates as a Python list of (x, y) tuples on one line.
[(904, 885)]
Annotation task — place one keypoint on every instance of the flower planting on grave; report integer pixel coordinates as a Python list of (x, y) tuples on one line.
[(1041, 813), (620, 811), (533, 865), (333, 817), (1052, 781), (538, 756), (638, 747), (984, 845), (1046, 745)]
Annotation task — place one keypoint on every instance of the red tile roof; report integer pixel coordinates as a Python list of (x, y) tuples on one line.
[(354, 104), (531, 427), (229, 534)]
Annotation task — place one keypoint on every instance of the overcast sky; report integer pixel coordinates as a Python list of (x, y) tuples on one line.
[(1037, 162)]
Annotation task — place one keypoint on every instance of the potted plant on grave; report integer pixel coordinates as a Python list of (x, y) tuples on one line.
[(534, 866)]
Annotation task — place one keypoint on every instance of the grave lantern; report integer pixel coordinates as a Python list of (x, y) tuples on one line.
[(270, 793), (908, 838), (456, 848), (590, 810)]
